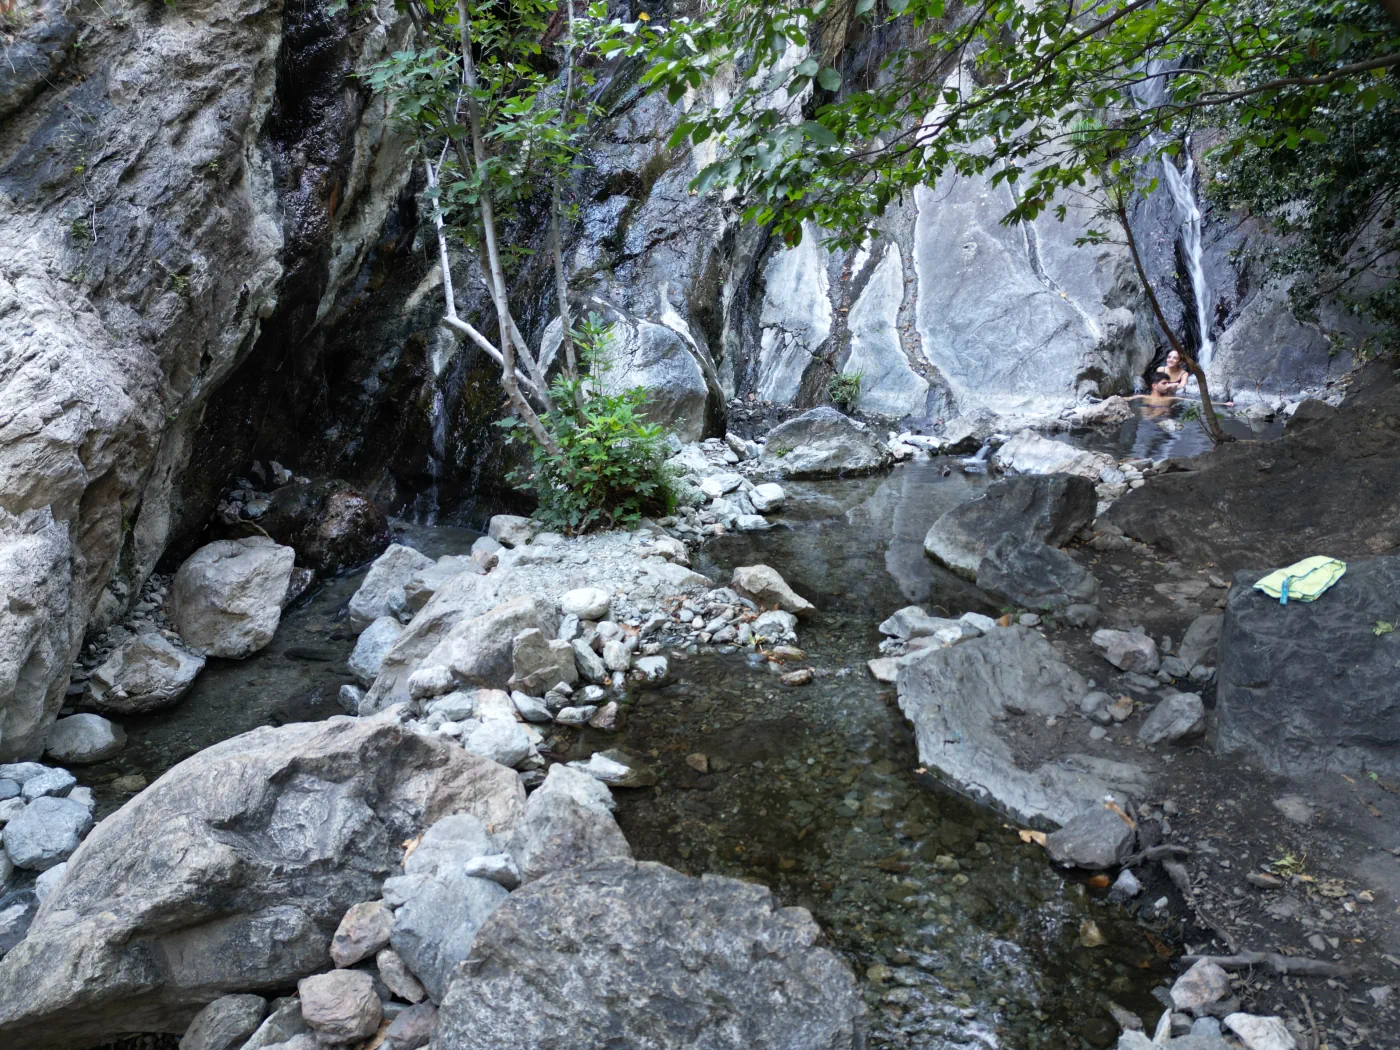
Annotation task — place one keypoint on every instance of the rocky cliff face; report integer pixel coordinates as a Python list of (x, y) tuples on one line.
[(178, 188)]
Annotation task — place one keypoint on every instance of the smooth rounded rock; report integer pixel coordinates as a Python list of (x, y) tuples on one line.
[(587, 603), (46, 833), (84, 738), (225, 1024), (340, 1005)]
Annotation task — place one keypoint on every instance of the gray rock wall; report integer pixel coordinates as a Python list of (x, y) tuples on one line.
[(153, 197)]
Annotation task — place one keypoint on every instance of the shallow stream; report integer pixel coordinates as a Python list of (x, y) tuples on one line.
[(963, 935)]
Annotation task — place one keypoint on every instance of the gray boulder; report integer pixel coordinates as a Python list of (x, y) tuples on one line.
[(480, 651), (1201, 644), (382, 592), (540, 662), (1048, 508), (56, 783), (1127, 650), (83, 738), (765, 585), (561, 831), (823, 442), (434, 931), (147, 673), (283, 1024), (426, 582), (500, 741), (225, 1024), (965, 703), (231, 872), (448, 845), (226, 599), (45, 834), (374, 641), (1310, 687), (1097, 837), (1035, 576), (1178, 717), (734, 969), (340, 1006), (1032, 453), (511, 530)]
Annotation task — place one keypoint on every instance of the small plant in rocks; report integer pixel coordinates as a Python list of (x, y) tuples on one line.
[(610, 466), (844, 388)]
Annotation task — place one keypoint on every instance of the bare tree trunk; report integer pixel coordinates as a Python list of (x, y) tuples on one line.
[(561, 281), (493, 256), (1208, 417)]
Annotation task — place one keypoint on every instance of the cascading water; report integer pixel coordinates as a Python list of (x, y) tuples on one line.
[(427, 505), (1180, 187)]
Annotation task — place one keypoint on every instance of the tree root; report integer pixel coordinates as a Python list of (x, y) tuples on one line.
[(1156, 853), (1284, 965)]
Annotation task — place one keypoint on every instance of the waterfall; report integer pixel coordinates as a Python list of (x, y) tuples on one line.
[(1179, 186)]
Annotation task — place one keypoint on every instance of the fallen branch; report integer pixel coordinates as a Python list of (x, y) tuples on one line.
[(1156, 853), (1284, 965)]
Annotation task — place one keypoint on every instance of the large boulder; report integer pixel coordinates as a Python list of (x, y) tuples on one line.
[(480, 651), (231, 873), (1032, 453), (382, 592), (1049, 508), (226, 599), (637, 955), (824, 443), (1309, 687), (83, 738), (1035, 576), (971, 705), (332, 527), (145, 673), (568, 823), (374, 641)]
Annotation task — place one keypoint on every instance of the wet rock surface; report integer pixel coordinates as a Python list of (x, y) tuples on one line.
[(1046, 508)]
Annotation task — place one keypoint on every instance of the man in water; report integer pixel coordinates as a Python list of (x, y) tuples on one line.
[(1158, 402)]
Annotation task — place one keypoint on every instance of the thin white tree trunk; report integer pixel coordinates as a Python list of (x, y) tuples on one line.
[(488, 226)]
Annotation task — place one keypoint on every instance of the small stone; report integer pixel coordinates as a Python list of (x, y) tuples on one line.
[(362, 932), (9, 789), (885, 669), (752, 523), (698, 762), (1097, 838), (802, 676), (412, 1028), (350, 697), (605, 717), (396, 977), (1205, 983), (1261, 1033), (766, 586), (590, 664), (575, 716), (653, 670), (1127, 650), (1125, 887), (340, 1005), (498, 867), (434, 680), (1178, 717), (500, 741), (766, 497), (587, 603), (617, 768), (1090, 936), (531, 708), (617, 656), (1121, 709)]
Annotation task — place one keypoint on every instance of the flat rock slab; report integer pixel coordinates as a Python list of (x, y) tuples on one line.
[(1047, 508), (822, 442), (973, 706), (630, 954), (1035, 576), (1309, 686)]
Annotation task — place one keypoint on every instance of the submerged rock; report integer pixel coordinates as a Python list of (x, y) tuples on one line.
[(1046, 508), (822, 442), (1030, 453), (226, 599), (233, 870), (966, 702), (738, 971), (766, 586)]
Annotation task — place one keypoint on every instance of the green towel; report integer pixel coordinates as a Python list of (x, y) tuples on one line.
[(1306, 580)]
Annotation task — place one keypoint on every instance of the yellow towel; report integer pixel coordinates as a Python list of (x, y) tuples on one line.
[(1305, 581)]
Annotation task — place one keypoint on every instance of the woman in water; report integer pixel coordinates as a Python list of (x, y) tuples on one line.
[(1174, 372)]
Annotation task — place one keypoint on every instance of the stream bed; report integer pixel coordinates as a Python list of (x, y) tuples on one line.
[(962, 934)]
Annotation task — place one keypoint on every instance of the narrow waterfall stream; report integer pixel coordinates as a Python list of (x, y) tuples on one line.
[(1180, 186)]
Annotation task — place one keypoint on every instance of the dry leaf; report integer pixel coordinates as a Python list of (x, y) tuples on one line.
[(410, 845), (1099, 882), (1027, 836), (1346, 778)]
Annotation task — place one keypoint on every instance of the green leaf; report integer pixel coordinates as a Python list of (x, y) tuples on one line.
[(819, 133), (829, 79)]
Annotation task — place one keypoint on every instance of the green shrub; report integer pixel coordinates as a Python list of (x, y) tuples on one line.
[(844, 388), (611, 467)]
